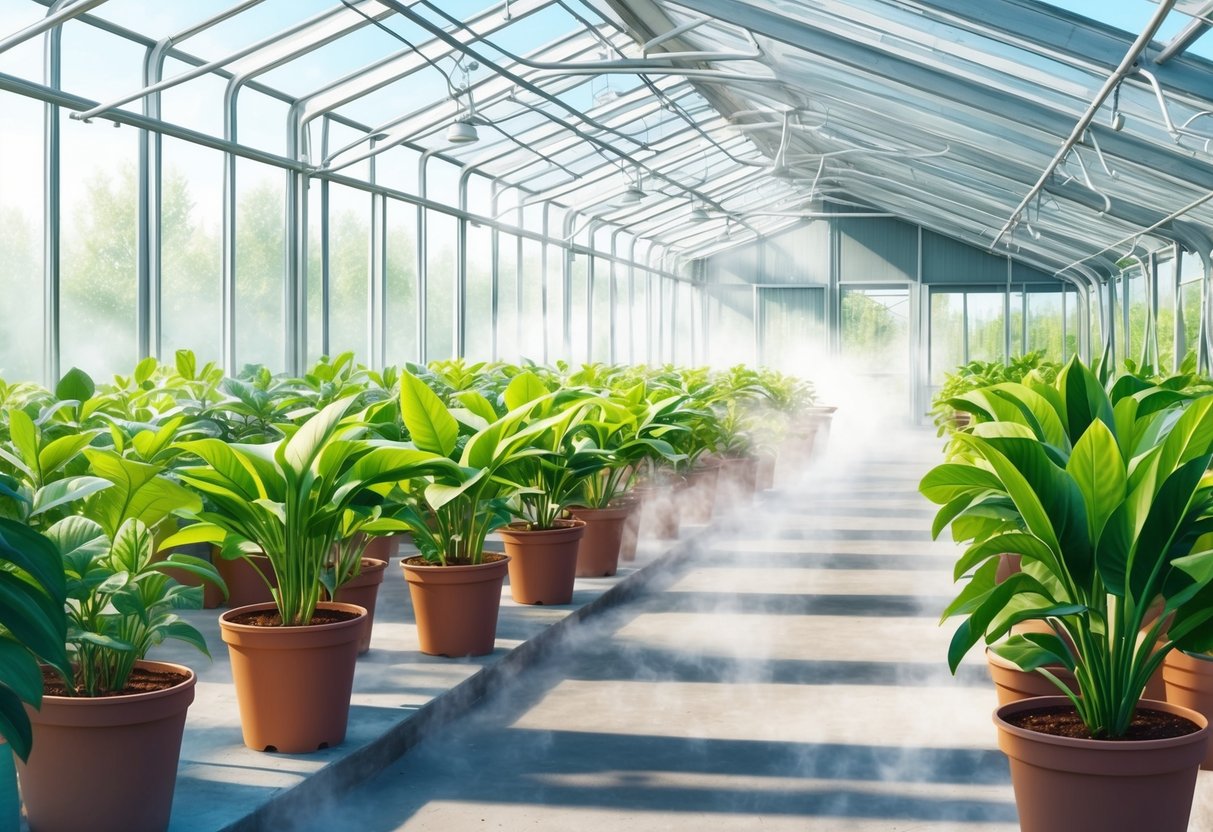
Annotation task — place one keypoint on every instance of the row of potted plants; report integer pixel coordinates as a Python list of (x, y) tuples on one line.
[(1098, 484), (106, 490)]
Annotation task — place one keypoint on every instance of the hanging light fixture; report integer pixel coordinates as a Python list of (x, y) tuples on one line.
[(634, 192), (698, 214), (462, 131)]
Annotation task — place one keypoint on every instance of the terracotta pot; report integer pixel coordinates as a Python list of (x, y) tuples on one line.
[(1189, 683), (698, 499), (293, 684), (244, 586), (10, 804), (765, 471), (1063, 784), (543, 563), (603, 541), (631, 527), (106, 763), (737, 477), (456, 606), (212, 596), (1013, 684), (1008, 565), (382, 547), (363, 591)]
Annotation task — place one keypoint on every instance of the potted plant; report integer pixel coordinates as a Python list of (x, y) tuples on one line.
[(1106, 526), (293, 659), (353, 573), (543, 544), (629, 429), (33, 630), (109, 701), (454, 584)]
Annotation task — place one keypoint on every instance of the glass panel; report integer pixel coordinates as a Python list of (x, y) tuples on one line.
[(600, 312), (1166, 315), (21, 210), (508, 330), (875, 328), (1138, 304), (580, 310), (554, 331), (315, 272), (1072, 313), (530, 284), (1016, 329), (639, 319), (947, 334), (1045, 324), (98, 261), (191, 250), (1190, 296), (260, 264), (986, 326), (349, 271), (479, 313), (440, 286), (401, 282)]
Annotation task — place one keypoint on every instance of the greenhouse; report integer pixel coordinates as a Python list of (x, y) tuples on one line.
[(606, 414)]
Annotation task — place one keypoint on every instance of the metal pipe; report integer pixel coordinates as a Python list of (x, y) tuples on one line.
[(1126, 66), (58, 14)]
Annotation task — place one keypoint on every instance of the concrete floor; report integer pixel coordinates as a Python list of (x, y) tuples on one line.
[(790, 675)]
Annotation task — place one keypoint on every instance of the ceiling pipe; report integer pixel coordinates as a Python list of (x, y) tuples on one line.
[(1127, 66)]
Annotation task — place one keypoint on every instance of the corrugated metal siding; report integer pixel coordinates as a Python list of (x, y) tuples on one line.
[(945, 260), (877, 250)]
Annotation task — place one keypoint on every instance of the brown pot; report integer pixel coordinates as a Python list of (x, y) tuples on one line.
[(631, 526), (363, 591), (1008, 565), (212, 596), (543, 562), (603, 541), (1064, 784), (106, 763), (737, 476), (382, 547), (765, 471), (456, 606), (244, 585), (293, 684), (1189, 683), (1013, 684), (698, 499)]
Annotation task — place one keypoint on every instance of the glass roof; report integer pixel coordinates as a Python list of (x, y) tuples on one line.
[(645, 114)]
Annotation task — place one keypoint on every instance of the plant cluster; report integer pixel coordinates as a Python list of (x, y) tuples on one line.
[(1103, 488), (975, 375), (113, 477)]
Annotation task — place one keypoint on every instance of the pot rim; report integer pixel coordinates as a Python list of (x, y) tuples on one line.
[(1107, 746), (225, 621), (609, 513), (568, 524), (130, 698), (438, 567)]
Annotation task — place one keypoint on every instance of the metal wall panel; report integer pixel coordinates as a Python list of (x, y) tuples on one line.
[(878, 250)]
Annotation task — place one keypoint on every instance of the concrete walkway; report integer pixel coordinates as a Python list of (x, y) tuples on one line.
[(790, 675)]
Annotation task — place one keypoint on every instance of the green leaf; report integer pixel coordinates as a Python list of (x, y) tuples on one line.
[(24, 436), (477, 404), (183, 631), (76, 385), (62, 492), (14, 723), (302, 449), (1099, 472), (525, 387), (187, 364), (946, 482), (145, 369), (63, 450), (19, 671), (429, 424)]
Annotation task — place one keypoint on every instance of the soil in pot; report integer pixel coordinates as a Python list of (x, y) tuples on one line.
[(601, 547), (139, 730), (363, 591), (1065, 783), (244, 585), (293, 684), (543, 562), (456, 606)]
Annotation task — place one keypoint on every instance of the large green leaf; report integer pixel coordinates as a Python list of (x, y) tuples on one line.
[(76, 385), (1099, 472), (1149, 555), (525, 387), (1036, 412), (19, 671), (139, 491), (24, 436), (302, 449), (946, 482), (62, 492), (59, 452), (14, 723), (431, 427), (232, 466)]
